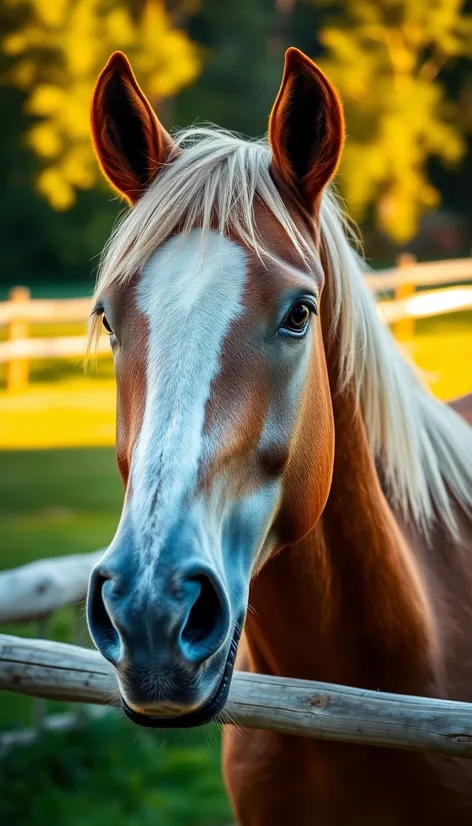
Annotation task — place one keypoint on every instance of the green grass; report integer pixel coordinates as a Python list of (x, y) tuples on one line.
[(83, 480), (108, 772), (54, 503)]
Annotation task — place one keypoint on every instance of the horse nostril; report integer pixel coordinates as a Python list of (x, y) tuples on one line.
[(203, 614), (207, 623), (102, 630), (187, 624)]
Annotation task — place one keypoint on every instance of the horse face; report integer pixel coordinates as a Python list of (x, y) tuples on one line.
[(216, 356), (219, 363)]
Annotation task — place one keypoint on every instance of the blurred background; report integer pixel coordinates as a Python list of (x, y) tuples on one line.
[(404, 70)]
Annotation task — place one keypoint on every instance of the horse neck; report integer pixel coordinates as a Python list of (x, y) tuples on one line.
[(348, 603)]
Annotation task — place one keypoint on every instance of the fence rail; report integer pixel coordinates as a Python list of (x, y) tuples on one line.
[(20, 311), (49, 348), (424, 304), (425, 274), (64, 310), (50, 670), (36, 590), (308, 709)]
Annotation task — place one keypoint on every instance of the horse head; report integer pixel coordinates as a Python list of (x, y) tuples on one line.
[(211, 292)]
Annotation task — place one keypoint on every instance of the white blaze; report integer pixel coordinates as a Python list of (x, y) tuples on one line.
[(190, 290)]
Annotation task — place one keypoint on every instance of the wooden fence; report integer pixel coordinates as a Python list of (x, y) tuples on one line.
[(20, 311), (37, 590), (34, 592), (51, 670)]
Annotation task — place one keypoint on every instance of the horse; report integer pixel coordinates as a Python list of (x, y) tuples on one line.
[(296, 503)]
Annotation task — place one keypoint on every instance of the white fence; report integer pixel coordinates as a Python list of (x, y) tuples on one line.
[(21, 311)]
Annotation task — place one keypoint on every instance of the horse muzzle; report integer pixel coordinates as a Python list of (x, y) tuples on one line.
[(156, 716), (170, 638)]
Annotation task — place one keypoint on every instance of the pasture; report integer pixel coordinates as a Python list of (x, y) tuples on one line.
[(67, 501)]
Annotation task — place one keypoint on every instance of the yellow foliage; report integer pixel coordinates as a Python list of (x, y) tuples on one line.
[(45, 142), (52, 13), (55, 188), (46, 99), (385, 59), (58, 54)]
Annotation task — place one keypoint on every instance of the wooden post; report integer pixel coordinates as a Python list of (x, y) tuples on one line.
[(404, 329), (17, 371)]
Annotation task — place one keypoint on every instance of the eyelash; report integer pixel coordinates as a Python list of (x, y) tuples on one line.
[(99, 313)]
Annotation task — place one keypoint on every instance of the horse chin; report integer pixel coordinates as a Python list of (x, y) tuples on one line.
[(160, 718)]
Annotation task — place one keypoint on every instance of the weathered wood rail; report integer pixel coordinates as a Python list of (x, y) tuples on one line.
[(36, 590), (308, 709)]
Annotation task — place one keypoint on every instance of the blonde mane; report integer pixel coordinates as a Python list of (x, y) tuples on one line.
[(423, 448)]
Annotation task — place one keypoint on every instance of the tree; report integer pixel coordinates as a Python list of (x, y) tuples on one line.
[(386, 58), (57, 51)]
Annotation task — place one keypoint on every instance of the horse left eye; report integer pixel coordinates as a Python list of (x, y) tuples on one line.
[(297, 319)]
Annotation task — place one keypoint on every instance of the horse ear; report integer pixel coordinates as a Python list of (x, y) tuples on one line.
[(306, 128), (129, 141)]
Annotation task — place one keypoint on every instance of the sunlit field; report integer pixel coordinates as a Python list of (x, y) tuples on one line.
[(442, 349)]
